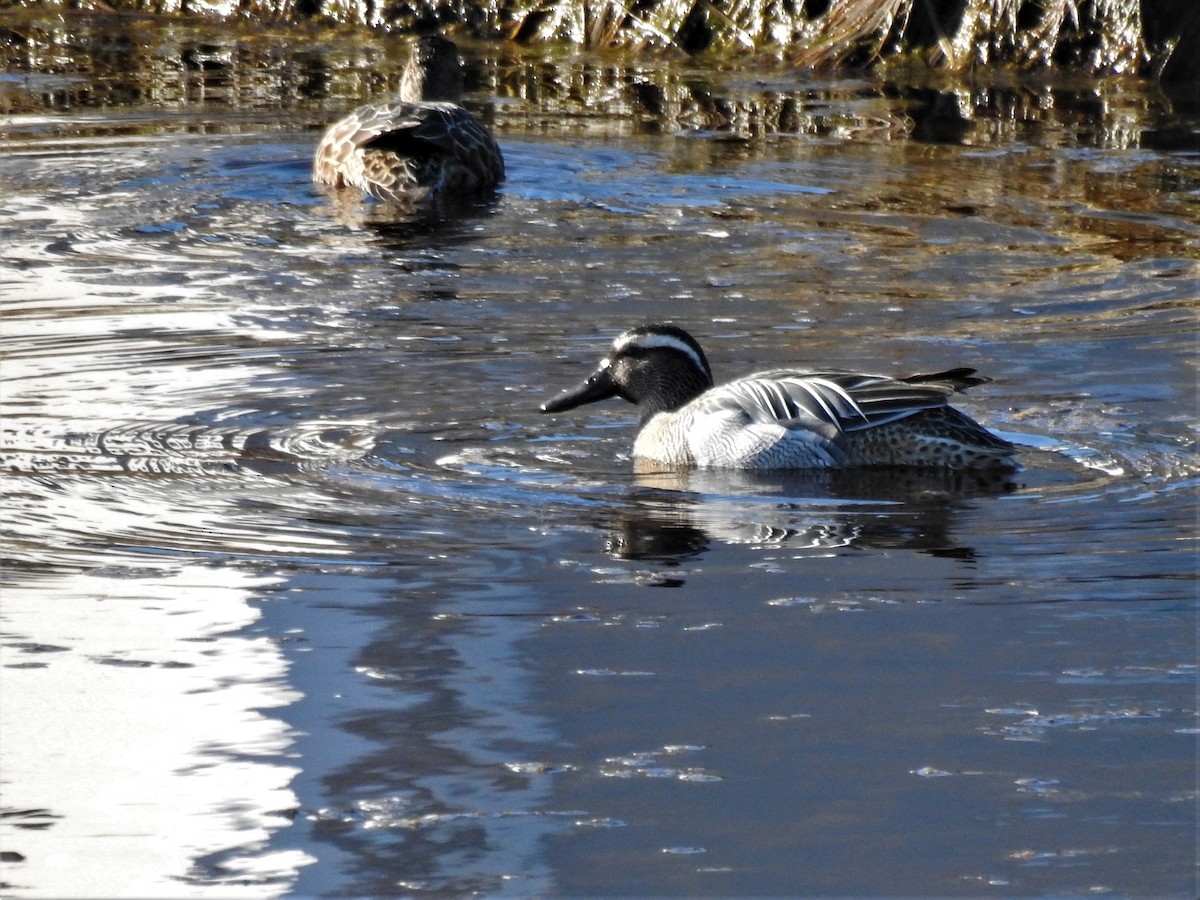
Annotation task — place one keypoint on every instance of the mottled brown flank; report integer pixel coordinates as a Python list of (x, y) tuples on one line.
[(941, 437)]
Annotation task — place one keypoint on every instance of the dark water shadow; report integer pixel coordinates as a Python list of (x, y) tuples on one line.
[(901, 484), (446, 221), (675, 516)]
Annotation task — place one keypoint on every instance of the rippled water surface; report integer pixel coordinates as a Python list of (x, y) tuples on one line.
[(303, 597)]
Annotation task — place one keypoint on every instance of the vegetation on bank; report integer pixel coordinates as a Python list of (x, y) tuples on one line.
[(1160, 38)]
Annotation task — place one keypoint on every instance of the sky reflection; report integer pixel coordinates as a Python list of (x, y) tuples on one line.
[(149, 676)]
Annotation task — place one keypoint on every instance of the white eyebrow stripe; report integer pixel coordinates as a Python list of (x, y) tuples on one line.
[(658, 342)]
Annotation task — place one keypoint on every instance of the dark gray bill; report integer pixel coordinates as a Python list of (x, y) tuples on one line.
[(599, 386)]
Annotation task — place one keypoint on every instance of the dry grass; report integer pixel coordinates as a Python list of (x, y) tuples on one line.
[(1097, 36), (1092, 36)]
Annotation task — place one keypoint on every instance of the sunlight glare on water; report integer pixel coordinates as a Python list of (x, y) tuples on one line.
[(182, 756)]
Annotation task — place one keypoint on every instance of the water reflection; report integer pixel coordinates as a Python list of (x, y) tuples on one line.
[(221, 75), (150, 675), (674, 516), (283, 515), (879, 485), (451, 223), (443, 790)]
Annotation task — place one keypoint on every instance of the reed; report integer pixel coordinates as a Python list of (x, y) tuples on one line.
[(1100, 37), (1097, 36)]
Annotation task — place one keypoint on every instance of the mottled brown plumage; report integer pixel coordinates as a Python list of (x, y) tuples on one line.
[(418, 147)]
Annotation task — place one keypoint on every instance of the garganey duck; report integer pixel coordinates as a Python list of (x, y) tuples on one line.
[(419, 147), (783, 418)]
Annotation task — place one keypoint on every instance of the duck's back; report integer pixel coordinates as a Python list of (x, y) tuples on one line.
[(401, 151), (800, 419)]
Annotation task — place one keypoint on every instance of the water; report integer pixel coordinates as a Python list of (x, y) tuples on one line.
[(303, 597)]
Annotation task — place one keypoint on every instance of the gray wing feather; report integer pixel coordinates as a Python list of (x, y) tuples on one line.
[(828, 402)]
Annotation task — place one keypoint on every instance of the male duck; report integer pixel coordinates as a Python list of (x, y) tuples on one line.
[(418, 147), (783, 418)]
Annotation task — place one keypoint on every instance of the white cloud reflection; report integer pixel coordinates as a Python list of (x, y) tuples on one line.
[(136, 720)]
